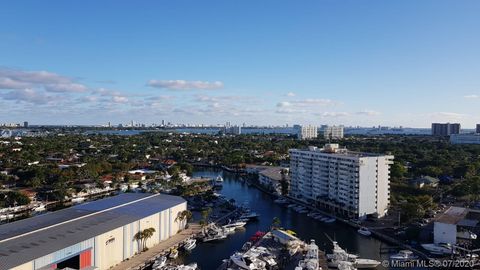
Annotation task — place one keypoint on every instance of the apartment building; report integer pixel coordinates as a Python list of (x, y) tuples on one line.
[(350, 183), (333, 132), (306, 132)]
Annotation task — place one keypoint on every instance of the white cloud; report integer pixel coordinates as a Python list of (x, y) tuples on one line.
[(12, 79), (449, 115), (335, 114), (119, 99), (290, 94), (185, 85), (471, 96), (27, 95), (368, 113)]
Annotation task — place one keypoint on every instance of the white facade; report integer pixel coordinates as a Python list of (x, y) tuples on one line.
[(306, 132), (357, 184), (473, 138), (333, 132)]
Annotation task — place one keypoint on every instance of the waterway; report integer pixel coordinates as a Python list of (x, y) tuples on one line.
[(209, 256)]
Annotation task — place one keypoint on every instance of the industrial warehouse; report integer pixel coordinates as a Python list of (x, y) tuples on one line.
[(94, 235)]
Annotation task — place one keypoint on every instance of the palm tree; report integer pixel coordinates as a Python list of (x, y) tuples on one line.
[(184, 215), (147, 233), (143, 236)]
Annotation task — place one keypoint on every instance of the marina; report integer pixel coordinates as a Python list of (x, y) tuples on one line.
[(210, 255)]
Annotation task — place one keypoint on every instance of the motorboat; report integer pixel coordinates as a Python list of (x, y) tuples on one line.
[(340, 255), (249, 215), (466, 235), (247, 262), (159, 263), (190, 244), (310, 261), (235, 225), (403, 255), (40, 208), (364, 231), (173, 254), (191, 266), (439, 249), (219, 179)]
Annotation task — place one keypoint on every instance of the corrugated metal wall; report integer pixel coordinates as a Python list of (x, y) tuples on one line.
[(63, 254)]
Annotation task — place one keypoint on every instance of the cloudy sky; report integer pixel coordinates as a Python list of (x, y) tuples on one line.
[(260, 62)]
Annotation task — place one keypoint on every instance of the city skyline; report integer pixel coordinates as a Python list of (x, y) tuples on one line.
[(322, 62)]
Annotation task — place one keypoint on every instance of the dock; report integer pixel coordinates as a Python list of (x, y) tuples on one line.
[(144, 259)]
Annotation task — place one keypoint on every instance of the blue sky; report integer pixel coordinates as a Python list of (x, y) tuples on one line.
[(260, 62)]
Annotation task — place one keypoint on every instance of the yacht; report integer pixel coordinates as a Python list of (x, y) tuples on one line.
[(364, 231), (310, 262), (439, 249), (403, 255), (247, 262), (340, 255), (40, 208), (159, 263), (190, 244), (235, 225), (192, 266)]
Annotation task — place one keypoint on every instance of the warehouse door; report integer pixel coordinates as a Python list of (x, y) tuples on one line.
[(73, 262)]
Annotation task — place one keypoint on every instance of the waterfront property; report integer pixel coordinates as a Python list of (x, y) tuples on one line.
[(95, 235), (351, 183), (271, 179), (456, 224)]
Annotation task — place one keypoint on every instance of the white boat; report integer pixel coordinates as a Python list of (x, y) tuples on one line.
[(173, 254), (190, 244), (439, 249), (192, 266), (403, 255), (249, 215), (292, 205), (159, 263), (78, 199), (235, 225), (339, 255), (247, 262), (466, 235), (364, 231), (310, 262), (40, 208), (219, 179)]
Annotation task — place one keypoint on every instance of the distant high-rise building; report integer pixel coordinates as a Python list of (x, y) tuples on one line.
[(163, 122), (25, 124), (353, 183), (445, 129), (478, 128), (234, 130), (333, 132), (306, 132)]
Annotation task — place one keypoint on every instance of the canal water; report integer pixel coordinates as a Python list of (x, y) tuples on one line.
[(209, 256)]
